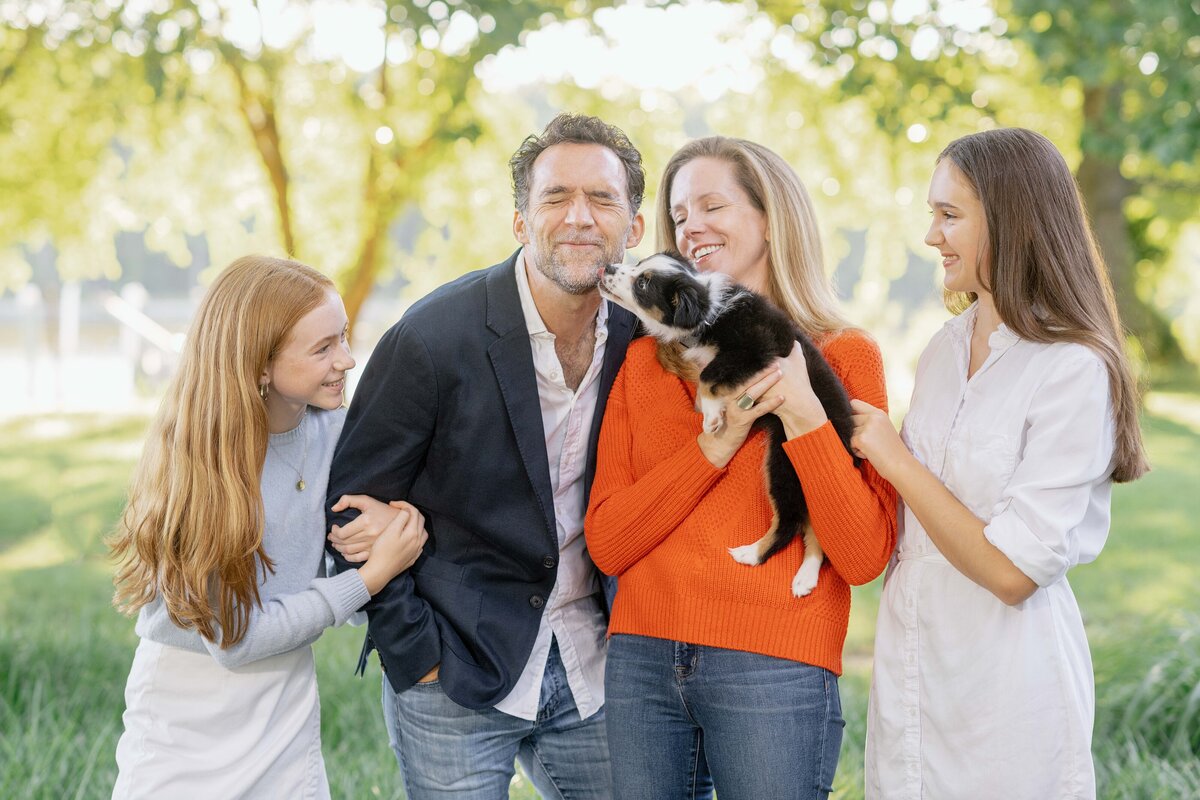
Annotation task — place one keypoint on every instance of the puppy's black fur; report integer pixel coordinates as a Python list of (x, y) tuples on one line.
[(741, 333)]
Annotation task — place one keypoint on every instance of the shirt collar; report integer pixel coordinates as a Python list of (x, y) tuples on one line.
[(533, 320), (960, 328), (1002, 338)]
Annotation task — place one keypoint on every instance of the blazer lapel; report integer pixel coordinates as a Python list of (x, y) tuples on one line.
[(512, 360), (620, 331), (621, 326)]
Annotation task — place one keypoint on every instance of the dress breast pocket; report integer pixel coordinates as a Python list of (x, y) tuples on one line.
[(980, 467)]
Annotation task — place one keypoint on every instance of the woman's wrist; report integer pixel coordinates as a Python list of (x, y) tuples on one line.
[(371, 577), (797, 422), (899, 462), (717, 453)]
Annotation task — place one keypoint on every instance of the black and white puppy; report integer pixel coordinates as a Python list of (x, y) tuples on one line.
[(730, 333)]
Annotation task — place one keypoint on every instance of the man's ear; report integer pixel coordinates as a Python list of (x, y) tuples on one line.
[(689, 305), (636, 231), (519, 229)]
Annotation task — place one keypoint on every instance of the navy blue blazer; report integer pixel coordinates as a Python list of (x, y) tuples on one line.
[(447, 417)]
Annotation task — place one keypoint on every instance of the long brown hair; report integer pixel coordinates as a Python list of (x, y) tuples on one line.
[(192, 530), (1044, 271), (797, 281)]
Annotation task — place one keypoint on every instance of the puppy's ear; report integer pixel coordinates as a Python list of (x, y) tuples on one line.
[(680, 262), (688, 304)]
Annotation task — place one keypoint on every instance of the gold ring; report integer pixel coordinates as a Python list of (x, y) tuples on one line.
[(745, 402)]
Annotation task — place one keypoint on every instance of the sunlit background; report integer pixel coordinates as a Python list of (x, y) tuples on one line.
[(145, 145)]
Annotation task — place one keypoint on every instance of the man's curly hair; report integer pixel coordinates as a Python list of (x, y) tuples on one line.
[(577, 129)]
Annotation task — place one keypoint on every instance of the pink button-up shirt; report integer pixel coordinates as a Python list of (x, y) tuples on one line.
[(573, 614)]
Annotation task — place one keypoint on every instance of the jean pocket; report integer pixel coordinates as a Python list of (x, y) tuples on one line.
[(831, 748), (833, 698)]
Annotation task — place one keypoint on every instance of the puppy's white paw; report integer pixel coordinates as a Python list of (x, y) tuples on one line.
[(806, 578), (746, 554), (714, 415)]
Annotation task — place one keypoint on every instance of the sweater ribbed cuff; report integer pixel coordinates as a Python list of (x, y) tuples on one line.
[(818, 455), (345, 593), (697, 466), (844, 506)]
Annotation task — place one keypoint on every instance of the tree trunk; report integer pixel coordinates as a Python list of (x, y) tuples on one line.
[(1105, 191), (379, 206), (259, 113), (361, 279)]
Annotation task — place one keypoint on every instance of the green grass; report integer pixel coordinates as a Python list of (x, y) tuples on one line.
[(64, 653)]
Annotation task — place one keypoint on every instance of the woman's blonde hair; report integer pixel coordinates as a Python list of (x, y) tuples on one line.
[(1044, 270), (797, 281), (193, 527)]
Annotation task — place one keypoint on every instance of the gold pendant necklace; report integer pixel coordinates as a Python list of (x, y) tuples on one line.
[(300, 484)]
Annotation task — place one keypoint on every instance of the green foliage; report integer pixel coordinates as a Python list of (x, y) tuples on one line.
[(55, 172), (907, 69), (177, 120), (853, 689), (1118, 81), (60, 708), (290, 128), (1161, 710), (1149, 50), (1148, 709)]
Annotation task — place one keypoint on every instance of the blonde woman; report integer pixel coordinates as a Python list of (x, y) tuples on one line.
[(717, 674), (1024, 412), (221, 545)]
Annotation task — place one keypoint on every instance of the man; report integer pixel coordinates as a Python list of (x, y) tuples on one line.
[(482, 407)]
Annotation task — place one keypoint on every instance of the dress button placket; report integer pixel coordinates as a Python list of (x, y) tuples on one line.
[(912, 691)]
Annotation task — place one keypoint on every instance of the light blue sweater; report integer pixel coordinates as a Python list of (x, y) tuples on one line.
[(297, 603)]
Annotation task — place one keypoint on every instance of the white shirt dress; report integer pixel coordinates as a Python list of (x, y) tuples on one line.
[(970, 697)]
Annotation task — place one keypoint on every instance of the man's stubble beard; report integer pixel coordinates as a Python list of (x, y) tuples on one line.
[(565, 276)]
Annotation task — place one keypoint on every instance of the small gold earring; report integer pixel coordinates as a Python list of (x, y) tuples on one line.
[(262, 390)]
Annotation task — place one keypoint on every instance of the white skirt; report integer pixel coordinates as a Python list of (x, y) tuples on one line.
[(196, 729)]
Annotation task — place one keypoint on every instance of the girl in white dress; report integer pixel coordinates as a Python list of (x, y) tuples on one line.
[(1023, 413), (221, 547)]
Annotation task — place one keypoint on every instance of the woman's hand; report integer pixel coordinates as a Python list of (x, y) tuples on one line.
[(876, 439), (801, 411), (719, 447), (396, 549), (354, 540)]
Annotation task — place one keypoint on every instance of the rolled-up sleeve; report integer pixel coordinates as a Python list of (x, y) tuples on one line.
[(1053, 514)]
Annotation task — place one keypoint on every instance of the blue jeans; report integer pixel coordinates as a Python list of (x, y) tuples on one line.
[(447, 751), (684, 718)]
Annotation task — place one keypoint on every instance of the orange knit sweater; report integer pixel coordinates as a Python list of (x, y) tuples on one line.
[(661, 517)]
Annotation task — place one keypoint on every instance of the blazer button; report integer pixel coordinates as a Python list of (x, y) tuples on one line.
[(548, 561), (536, 601)]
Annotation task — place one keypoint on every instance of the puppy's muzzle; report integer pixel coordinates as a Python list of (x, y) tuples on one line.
[(605, 277)]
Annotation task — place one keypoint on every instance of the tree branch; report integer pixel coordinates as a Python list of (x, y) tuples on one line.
[(7, 71), (259, 113)]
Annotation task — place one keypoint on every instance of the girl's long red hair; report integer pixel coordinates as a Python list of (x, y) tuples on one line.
[(192, 531)]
